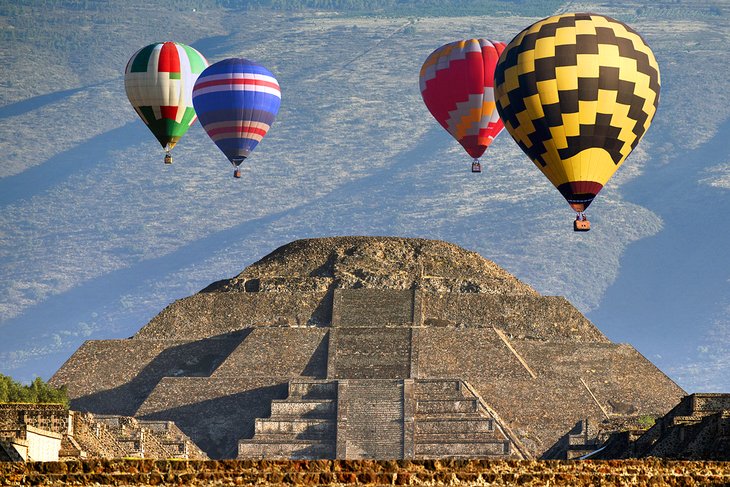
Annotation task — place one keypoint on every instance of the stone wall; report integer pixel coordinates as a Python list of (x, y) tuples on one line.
[(551, 385), (544, 317), (305, 350), (211, 314), (115, 376), (370, 353), (229, 406), (372, 308), (43, 445), (49, 417), (326, 472)]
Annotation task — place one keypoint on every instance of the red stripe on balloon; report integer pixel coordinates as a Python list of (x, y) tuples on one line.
[(169, 59), (169, 112), (236, 81), (236, 129)]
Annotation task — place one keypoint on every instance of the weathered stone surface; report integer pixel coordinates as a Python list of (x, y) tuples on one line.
[(382, 263), (366, 472), (366, 308), (532, 317), (205, 315)]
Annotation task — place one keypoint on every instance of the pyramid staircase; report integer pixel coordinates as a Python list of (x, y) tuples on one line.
[(431, 418), (451, 421), (302, 426)]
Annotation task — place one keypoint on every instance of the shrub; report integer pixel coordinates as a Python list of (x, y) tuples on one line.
[(37, 391)]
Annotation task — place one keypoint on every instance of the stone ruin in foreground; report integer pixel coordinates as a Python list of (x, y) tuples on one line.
[(364, 347)]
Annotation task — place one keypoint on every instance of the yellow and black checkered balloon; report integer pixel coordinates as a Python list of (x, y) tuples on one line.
[(577, 92)]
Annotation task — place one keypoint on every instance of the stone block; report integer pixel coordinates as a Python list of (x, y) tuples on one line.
[(493, 448), (437, 388), (262, 353), (303, 408), (294, 428), (292, 450), (370, 353), (453, 426), (439, 406), (372, 307), (311, 389)]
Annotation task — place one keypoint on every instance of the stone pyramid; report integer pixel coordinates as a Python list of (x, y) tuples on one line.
[(368, 347)]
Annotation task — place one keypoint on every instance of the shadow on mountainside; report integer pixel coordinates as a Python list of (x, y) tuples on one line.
[(212, 47), (91, 153), (36, 102), (194, 359)]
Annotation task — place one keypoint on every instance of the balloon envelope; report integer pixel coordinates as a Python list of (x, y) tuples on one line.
[(159, 81), (577, 92), (236, 101), (456, 83)]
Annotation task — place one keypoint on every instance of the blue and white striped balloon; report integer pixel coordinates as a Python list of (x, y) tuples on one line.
[(236, 101)]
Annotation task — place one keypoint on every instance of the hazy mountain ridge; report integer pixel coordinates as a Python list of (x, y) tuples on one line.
[(96, 236)]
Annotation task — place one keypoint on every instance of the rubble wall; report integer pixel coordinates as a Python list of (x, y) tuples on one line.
[(366, 472)]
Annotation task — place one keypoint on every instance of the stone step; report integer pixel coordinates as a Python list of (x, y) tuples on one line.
[(454, 425), (437, 388), (693, 419), (463, 436), (462, 449), (379, 412), (299, 389), (282, 450), (425, 406), (310, 428), (317, 436), (303, 408), (375, 390)]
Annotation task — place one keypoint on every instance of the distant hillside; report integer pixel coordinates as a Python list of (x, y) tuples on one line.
[(97, 235), (419, 8), (82, 43)]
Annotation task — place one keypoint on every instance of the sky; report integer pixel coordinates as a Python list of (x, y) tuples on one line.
[(97, 236)]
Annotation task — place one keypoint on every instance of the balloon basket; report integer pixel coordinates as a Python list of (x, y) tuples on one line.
[(476, 167), (237, 173), (581, 225), (168, 159)]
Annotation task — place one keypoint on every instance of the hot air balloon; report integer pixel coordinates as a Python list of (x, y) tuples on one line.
[(456, 84), (577, 92), (159, 81), (236, 101)]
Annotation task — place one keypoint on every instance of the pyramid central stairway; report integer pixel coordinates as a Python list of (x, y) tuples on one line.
[(379, 418), (370, 406)]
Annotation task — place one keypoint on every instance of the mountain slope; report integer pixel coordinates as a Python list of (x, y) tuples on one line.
[(96, 235)]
